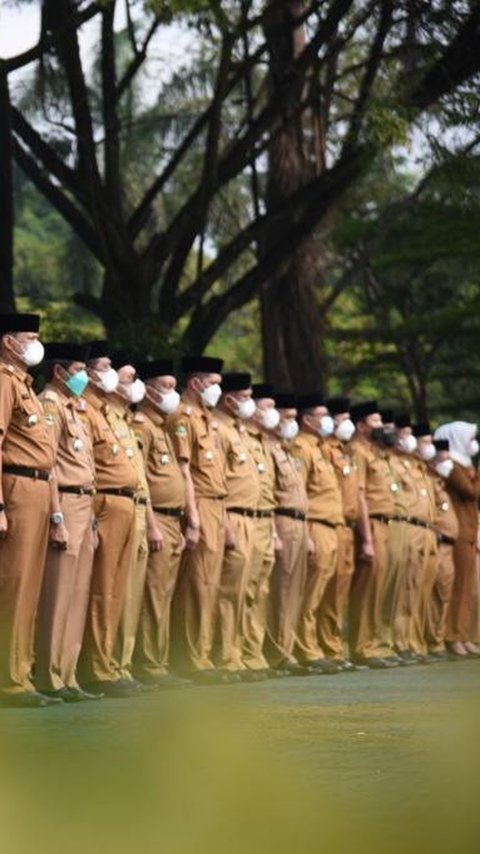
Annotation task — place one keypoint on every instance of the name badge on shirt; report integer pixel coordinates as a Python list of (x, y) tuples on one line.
[(346, 471), (261, 468), (32, 419), (208, 455), (242, 458), (394, 487), (78, 444), (129, 453), (164, 459)]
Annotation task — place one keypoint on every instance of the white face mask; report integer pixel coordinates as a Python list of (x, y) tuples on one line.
[(345, 430), (288, 429), (326, 427), (445, 468), (108, 380), (135, 391), (245, 408), (32, 353), (211, 395), (407, 444), (168, 402), (270, 418), (427, 452), (474, 448)]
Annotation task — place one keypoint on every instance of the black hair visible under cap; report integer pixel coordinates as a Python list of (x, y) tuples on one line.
[(441, 444), (362, 410), (286, 400), (260, 391), (157, 368), (337, 405), (387, 416), (19, 323), (98, 350), (309, 401), (236, 382), (66, 351), (201, 365), (403, 419), (421, 429)]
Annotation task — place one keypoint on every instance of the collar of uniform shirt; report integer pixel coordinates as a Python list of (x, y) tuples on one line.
[(18, 372), (98, 401), (158, 418)]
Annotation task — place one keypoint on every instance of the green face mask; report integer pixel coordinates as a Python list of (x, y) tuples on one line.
[(77, 383)]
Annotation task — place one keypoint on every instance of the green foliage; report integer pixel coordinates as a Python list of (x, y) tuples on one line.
[(60, 321)]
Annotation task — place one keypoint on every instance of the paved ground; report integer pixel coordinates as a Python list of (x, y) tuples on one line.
[(364, 762)]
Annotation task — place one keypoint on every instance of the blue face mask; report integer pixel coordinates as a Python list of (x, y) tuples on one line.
[(77, 383)]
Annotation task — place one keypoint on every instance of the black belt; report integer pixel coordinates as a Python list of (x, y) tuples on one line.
[(442, 538), (24, 471), (350, 523), (124, 493), (409, 520), (292, 514), (139, 499), (177, 513), (380, 517), (333, 525), (77, 490), (251, 514)]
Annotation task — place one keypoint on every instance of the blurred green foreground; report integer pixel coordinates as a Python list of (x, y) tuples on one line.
[(365, 762)]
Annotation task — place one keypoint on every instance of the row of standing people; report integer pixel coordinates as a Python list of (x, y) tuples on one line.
[(233, 534)]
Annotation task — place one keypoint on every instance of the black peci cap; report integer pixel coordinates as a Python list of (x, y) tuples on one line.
[(362, 410), (99, 350), (337, 405), (201, 365), (403, 419), (66, 351), (156, 368), (309, 401), (441, 444), (286, 400), (19, 323), (260, 391), (236, 382), (388, 416), (421, 429)]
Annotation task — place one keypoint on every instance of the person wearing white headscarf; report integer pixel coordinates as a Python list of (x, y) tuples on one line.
[(463, 485)]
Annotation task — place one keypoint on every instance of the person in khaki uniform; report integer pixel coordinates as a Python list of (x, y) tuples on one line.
[(151, 661), (377, 486), (66, 583), (334, 606), (422, 545), (447, 528), (463, 486), (287, 581), (148, 537), (243, 493), (194, 433), (117, 482), (26, 461), (325, 516), (265, 418)]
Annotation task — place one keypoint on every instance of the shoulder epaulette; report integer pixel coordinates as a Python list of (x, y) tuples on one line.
[(138, 418), (81, 405), (51, 395)]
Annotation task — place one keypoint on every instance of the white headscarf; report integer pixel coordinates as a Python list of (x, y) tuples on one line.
[(459, 435)]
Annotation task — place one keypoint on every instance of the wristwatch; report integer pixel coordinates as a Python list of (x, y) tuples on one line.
[(57, 518)]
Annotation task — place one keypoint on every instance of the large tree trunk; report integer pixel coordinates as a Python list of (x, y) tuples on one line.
[(7, 302), (292, 319)]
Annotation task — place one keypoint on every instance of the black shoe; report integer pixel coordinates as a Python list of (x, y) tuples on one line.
[(252, 675), (121, 688), (294, 668), (64, 694), (167, 682), (439, 656), (273, 673), (326, 667), (212, 677), (83, 696), (28, 700), (406, 657), (350, 666), (376, 663)]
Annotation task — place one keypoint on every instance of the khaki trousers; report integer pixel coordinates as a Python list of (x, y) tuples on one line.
[(365, 619), (422, 570), (320, 569), (256, 595), (334, 603), (151, 655), (196, 597), (395, 619), (111, 567), (287, 585), (231, 596), (22, 560), (462, 618), (440, 600), (132, 607), (64, 598)]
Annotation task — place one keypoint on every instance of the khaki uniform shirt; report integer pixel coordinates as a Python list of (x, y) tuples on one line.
[(445, 517), (289, 490), (194, 433), (400, 465), (419, 491), (114, 468), (27, 439), (74, 462), (165, 480), (119, 417), (340, 455), (260, 449), (320, 479), (375, 477), (243, 483)]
